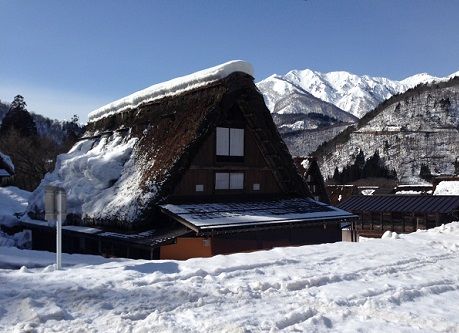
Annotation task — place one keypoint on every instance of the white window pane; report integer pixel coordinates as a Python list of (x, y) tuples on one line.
[(256, 187), (236, 181), (236, 142), (200, 188), (222, 141), (222, 181)]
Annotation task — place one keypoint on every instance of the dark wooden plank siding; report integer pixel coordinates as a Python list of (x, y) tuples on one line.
[(204, 165)]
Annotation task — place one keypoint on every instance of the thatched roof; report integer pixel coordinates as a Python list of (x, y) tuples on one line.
[(158, 141)]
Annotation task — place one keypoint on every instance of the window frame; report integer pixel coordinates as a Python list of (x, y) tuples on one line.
[(230, 154), (229, 183)]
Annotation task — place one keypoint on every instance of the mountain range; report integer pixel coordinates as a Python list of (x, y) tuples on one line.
[(310, 107), (355, 94)]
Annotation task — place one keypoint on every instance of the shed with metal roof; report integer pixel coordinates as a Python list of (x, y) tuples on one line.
[(399, 213)]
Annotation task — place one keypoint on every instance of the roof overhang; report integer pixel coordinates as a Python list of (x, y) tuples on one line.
[(267, 214), (4, 173)]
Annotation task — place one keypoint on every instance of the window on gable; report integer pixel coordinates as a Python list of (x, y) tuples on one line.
[(229, 180), (230, 144)]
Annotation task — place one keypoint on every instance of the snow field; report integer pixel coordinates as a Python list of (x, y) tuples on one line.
[(408, 283)]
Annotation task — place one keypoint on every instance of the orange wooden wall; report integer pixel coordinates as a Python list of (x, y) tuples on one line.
[(186, 248)]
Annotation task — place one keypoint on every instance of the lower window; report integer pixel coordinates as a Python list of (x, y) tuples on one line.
[(229, 180)]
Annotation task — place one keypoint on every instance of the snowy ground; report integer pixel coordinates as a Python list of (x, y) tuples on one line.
[(406, 284)]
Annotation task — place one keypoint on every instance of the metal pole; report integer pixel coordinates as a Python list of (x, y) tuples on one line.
[(59, 221)]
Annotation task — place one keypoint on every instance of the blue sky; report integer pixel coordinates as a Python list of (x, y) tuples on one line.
[(70, 57)]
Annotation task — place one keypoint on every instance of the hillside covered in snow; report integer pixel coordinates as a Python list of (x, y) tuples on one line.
[(402, 283), (310, 107), (419, 127)]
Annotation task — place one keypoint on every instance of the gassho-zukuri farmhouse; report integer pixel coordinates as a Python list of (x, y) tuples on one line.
[(190, 167)]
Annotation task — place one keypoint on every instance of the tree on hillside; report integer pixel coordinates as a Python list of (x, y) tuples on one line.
[(372, 167), (425, 172), (19, 119)]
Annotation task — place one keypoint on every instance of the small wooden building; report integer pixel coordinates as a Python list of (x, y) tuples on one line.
[(400, 213), (6, 170), (310, 171), (205, 164)]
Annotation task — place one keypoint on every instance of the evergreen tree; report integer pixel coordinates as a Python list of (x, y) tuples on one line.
[(373, 166), (425, 172), (337, 176), (357, 169), (19, 119)]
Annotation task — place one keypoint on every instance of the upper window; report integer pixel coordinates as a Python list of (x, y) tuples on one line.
[(230, 142)]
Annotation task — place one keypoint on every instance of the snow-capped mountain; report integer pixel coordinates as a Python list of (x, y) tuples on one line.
[(284, 97), (356, 94), (303, 120)]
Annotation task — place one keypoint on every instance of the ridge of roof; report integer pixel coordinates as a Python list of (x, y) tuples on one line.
[(172, 87)]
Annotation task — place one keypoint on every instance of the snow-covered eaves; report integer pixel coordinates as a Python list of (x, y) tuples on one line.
[(207, 216), (172, 88), (6, 160)]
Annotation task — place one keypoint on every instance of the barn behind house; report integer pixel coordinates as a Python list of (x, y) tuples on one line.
[(191, 167)]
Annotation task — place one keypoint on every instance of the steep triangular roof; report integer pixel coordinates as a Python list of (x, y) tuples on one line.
[(157, 139)]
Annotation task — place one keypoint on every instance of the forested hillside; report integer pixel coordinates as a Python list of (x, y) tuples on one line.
[(419, 128), (33, 141)]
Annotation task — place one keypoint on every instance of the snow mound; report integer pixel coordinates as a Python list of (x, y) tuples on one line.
[(173, 87), (12, 200), (20, 240), (390, 235), (7, 160), (447, 188)]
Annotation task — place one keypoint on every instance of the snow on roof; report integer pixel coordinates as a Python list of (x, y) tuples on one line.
[(450, 187), (173, 87), (99, 177), (7, 160), (411, 192), (222, 215)]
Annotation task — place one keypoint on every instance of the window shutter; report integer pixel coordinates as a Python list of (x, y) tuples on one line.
[(236, 142), (222, 181), (223, 141), (236, 181)]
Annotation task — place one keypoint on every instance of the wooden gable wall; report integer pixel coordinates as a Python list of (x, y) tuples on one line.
[(204, 166)]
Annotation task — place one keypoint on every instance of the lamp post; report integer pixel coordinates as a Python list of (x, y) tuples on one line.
[(55, 211)]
